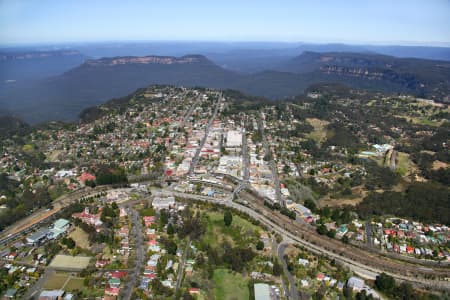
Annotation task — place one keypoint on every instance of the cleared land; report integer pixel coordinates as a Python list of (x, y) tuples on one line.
[(403, 163), (65, 281), (80, 237), (320, 133), (229, 285), (56, 281), (74, 283), (67, 262), (437, 164), (217, 231)]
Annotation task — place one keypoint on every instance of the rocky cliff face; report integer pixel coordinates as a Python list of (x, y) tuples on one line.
[(353, 72)]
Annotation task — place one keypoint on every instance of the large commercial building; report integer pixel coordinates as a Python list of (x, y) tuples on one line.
[(38, 237), (234, 139)]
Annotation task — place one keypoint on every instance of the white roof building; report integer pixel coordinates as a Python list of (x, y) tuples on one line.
[(163, 203), (262, 291), (355, 283), (234, 139)]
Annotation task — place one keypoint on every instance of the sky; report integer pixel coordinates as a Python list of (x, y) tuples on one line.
[(401, 22)]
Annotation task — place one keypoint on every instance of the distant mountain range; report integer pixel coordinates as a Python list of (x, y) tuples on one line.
[(428, 78), (21, 66), (94, 81)]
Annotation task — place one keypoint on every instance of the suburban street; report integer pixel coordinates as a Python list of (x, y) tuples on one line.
[(180, 273), (184, 120), (293, 291), (137, 235), (37, 287)]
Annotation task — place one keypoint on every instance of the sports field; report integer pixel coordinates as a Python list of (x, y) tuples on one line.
[(70, 263), (64, 281)]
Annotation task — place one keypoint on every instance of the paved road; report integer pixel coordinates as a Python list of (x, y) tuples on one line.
[(272, 164), (137, 237), (293, 291), (208, 126), (275, 253), (33, 292), (245, 158), (367, 269), (393, 159), (184, 120), (37, 218), (344, 254), (181, 267)]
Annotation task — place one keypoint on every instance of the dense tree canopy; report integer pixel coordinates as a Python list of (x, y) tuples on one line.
[(424, 201)]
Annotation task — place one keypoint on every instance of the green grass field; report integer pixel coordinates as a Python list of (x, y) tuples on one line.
[(63, 280), (216, 229), (74, 283), (56, 281), (229, 285), (403, 163)]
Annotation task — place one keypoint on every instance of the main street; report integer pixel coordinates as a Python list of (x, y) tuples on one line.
[(245, 158), (273, 167), (208, 126)]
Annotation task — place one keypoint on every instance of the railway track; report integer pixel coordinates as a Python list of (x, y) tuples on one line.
[(303, 232)]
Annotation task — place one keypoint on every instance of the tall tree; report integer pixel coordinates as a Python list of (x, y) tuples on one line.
[(227, 218)]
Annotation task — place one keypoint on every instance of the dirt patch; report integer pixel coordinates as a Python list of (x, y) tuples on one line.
[(320, 133), (358, 194), (437, 164), (67, 262), (80, 237)]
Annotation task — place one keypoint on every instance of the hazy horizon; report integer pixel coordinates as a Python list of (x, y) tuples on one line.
[(264, 44), (403, 23)]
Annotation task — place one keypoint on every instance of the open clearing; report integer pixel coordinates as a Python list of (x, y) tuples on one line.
[(320, 133), (229, 285), (59, 281), (358, 194), (80, 237), (216, 229), (53, 156), (403, 163), (74, 283), (56, 281), (67, 262), (437, 164)]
